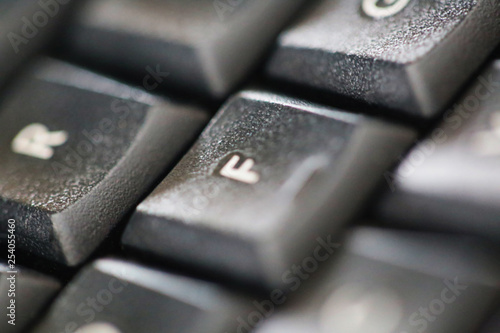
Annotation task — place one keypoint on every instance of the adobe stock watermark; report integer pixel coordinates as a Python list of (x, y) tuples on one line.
[(11, 276), (422, 319), (451, 123), (225, 8), (122, 110), (94, 304), (292, 279), (155, 77), (31, 26)]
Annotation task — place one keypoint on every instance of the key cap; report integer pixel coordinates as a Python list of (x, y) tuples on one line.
[(23, 295), (26, 26), (492, 324), (79, 150), (394, 282), (449, 181), (267, 178), (407, 55), (204, 46), (121, 297)]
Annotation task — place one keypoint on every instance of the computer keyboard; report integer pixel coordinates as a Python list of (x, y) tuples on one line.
[(240, 166)]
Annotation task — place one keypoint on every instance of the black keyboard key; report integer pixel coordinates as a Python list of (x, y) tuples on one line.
[(492, 324), (407, 55), (267, 178), (121, 297), (26, 26), (23, 295), (78, 150), (450, 180), (204, 46), (390, 282)]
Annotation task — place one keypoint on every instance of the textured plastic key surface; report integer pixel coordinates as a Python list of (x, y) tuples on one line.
[(31, 292), (78, 150), (26, 26), (413, 61), (267, 178), (450, 180), (128, 298), (205, 46), (393, 282)]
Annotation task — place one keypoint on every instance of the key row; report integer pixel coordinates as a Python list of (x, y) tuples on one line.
[(410, 56), (377, 280), (266, 176)]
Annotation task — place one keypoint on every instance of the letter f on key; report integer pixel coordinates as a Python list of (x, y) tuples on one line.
[(243, 173)]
